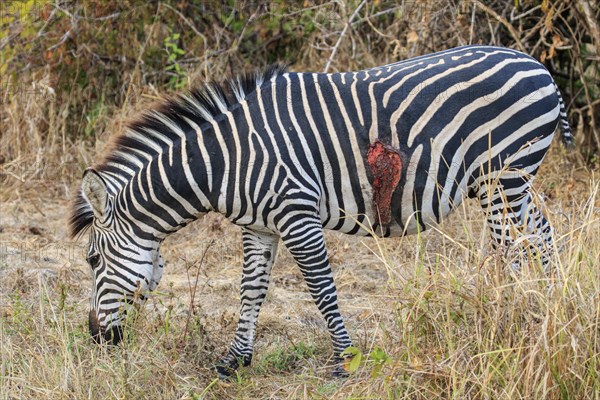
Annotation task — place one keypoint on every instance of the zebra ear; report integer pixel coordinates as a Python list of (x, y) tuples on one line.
[(93, 189)]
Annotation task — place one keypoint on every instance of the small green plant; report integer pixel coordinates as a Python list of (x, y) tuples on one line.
[(287, 358), (178, 74), (355, 357)]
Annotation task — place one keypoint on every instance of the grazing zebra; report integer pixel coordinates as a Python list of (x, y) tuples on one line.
[(386, 151)]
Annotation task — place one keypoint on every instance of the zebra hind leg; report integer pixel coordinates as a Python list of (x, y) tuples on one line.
[(518, 225), (307, 245), (259, 255)]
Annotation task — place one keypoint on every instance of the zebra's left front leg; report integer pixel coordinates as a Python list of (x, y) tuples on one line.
[(259, 254), (306, 243)]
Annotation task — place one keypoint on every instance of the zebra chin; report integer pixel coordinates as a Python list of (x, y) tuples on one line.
[(112, 336)]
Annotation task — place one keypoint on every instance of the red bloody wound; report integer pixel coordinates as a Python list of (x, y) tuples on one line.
[(386, 168)]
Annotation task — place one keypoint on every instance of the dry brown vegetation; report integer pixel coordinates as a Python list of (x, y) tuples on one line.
[(453, 322)]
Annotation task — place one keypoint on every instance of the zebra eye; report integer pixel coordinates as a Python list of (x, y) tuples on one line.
[(93, 260)]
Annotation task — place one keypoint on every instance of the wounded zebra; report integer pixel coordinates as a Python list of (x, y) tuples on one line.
[(285, 155)]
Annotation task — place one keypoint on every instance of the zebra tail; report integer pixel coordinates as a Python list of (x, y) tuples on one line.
[(565, 130)]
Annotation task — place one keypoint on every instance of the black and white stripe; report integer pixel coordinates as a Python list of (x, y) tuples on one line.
[(283, 155)]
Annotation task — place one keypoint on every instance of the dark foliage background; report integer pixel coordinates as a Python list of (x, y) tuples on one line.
[(72, 71)]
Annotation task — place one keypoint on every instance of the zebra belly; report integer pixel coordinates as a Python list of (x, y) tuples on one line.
[(405, 219), (407, 222)]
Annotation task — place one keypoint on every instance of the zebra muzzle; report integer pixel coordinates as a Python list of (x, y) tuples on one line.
[(94, 326), (112, 336)]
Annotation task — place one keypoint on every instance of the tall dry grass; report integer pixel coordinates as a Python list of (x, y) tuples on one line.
[(452, 319), (453, 322)]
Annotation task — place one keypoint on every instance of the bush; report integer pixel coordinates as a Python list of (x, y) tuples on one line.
[(91, 58)]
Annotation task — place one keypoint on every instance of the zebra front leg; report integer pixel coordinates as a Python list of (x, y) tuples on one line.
[(259, 254), (307, 245)]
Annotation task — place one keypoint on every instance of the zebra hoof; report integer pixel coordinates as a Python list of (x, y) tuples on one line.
[(246, 360), (225, 370), (227, 366), (338, 370)]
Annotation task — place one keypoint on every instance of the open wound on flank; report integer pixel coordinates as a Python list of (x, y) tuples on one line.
[(386, 168)]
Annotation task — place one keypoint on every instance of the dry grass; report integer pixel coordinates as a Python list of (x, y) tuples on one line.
[(453, 321)]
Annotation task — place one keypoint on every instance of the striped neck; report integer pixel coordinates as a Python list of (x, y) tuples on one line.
[(172, 188), (161, 170)]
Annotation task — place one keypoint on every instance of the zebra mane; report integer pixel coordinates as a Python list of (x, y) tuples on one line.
[(156, 129)]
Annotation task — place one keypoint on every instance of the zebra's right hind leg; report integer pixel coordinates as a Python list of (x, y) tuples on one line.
[(516, 223)]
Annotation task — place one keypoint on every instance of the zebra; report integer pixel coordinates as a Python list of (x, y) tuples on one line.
[(386, 151)]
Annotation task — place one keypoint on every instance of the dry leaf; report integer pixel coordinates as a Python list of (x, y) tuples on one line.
[(557, 40), (412, 37)]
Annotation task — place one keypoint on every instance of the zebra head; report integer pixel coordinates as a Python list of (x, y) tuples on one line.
[(125, 267)]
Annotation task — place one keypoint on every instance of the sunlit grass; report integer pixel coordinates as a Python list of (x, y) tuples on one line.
[(453, 320)]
